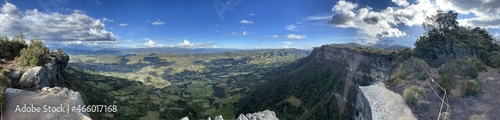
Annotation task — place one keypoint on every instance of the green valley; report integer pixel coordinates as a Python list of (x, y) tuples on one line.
[(195, 85)]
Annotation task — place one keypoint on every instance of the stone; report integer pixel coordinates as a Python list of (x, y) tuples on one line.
[(263, 115), (54, 97), (33, 79)]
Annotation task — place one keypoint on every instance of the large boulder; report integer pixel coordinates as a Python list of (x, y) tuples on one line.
[(34, 79), (61, 58), (54, 97)]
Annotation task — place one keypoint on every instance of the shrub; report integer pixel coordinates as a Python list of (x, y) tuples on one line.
[(447, 81), (413, 95), (470, 88), (35, 55), (468, 67), (494, 60), (9, 49)]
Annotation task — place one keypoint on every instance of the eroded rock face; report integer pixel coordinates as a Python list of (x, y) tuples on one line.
[(33, 79), (54, 97)]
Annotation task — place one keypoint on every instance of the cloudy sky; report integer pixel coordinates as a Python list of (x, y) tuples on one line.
[(244, 24)]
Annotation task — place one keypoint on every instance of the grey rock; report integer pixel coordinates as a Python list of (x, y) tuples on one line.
[(61, 58), (263, 115), (54, 97), (218, 117), (33, 79), (184, 118), (16, 73)]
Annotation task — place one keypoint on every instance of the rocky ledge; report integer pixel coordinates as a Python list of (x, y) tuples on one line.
[(47, 103)]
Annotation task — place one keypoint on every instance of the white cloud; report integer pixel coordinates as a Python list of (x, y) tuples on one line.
[(318, 17), (401, 2), (106, 20), (246, 22), (294, 36), (151, 43), (244, 33), (187, 44), (251, 14), (291, 27), (272, 36), (123, 25), (385, 23), (286, 44), (158, 22), (52, 27)]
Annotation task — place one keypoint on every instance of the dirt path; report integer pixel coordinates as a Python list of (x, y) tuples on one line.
[(385, 104)]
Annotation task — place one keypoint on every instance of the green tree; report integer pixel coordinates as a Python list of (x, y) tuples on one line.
[(34, 55)]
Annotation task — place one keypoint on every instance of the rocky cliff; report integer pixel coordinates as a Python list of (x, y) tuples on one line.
[(324, 85), (40, 87), (37, 77)]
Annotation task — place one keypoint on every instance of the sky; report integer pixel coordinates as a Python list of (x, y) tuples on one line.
[(240, 24)]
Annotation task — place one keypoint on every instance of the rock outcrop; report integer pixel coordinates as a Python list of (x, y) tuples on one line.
[(16, 99), (42, 76), (34, 79), (387, 105)]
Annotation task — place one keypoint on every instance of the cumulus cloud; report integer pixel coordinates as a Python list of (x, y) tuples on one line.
[(123, 25), (53, 27), (272, 36), (151, 43), (246, 22), (384, 23), (187, 44), (157, 22), (294, 36), (401, 2)]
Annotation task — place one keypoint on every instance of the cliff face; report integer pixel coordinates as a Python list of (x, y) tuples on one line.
[(325, 85)]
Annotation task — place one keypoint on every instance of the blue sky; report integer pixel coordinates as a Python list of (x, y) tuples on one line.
[(243, 24)]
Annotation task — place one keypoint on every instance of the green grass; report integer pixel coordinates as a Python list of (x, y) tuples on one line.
[(227, 112), (151, 115), (414, 95)]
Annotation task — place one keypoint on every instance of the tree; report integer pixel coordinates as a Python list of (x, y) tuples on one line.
[(34, 55), (441, 21)]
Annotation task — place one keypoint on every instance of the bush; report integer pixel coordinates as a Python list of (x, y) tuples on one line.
[(470, 88), (447, 81), (9, 49), (413, 95), (35, 55), (468, 67), (494, 60)]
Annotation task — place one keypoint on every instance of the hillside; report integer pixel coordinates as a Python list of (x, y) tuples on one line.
[(193, 85), (322, 86)]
